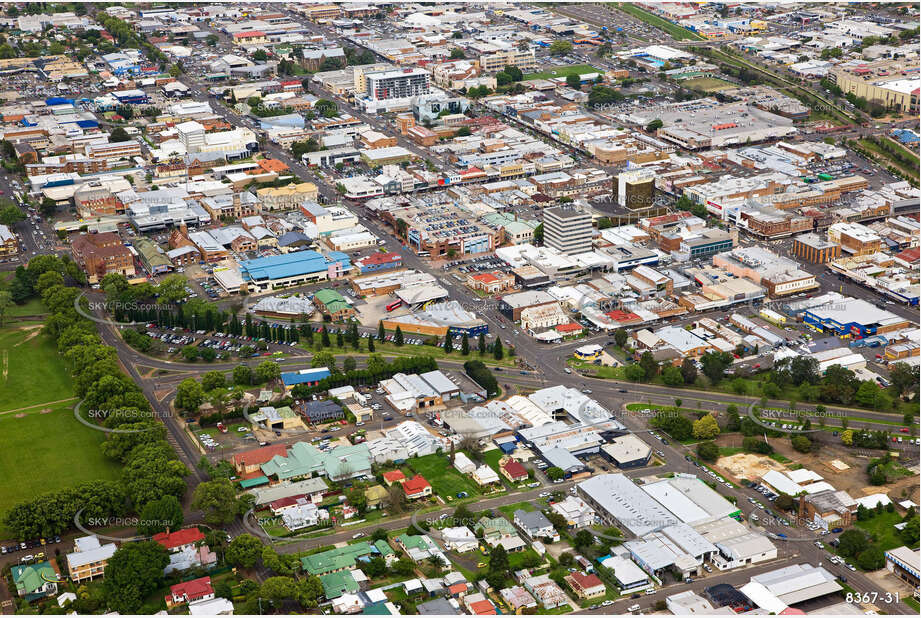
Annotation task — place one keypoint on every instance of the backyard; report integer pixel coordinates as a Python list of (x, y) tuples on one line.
[(446, 481)]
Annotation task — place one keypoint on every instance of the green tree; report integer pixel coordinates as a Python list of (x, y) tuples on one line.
[(671, 376), (242, 375), (574, 81), (481, 344), (653, 126), (267, 371), (217, 499), (10, 214), (801, 443), (688, 371), (398, 337), (244, 551), (189, 395), (212, 380), (160, 515), (706, 427), (539, 234), (620, 337), (560, 47), (852, 542), (465, 344), (554, 473), (649, 365), (708, 451), (133, 572), (497, 351)]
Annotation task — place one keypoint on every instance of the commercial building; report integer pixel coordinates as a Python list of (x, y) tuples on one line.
[(894, 84), (393, 89), (568, 229), (618, 501), (9, 244), (854, 238), (525, 60), (777, 590), (843, 315), (635, 189), (815, 249), (101, 254), (296, 268), (905, 564), (627, 451)]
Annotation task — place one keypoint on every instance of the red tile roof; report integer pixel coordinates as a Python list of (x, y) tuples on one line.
[(515, 469), (486, 277), (186, 536), (194, 589), (457, 588), (381, 258), (483, 608), (249, 35), (585, 581), (572, 327), (259, 456), (910, 255), (415, 485), (394, 476)]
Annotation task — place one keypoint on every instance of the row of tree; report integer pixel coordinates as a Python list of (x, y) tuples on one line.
[(150, 468)]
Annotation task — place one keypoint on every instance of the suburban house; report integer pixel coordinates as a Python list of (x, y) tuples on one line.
[(249, 462), (513, 470), (417, 487), (484, 475), (394, 476), (586, 586), (187, 549), (577, 512), (546, 591), (518, 599), (35, 581), (89, 558), (535, 525), (498, 531), (459, 539), (189, 592)]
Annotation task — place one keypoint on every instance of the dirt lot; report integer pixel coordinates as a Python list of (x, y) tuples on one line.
[(748, 465)]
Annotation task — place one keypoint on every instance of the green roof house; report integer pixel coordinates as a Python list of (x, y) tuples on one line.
[(305, 460), (337, 584), (34, 581), (331, 303)]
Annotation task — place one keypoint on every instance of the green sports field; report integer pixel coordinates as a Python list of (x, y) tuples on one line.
[(31, 371), (46, 451)]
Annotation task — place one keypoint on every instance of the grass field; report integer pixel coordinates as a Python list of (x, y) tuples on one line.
[(677, 32), (882, 531), (577, 69), (707, 84), (509, 509), (46, 452), (31, 371), (446, 481)]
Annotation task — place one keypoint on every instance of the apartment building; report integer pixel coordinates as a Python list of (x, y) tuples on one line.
[(89, 558), (496, 61)]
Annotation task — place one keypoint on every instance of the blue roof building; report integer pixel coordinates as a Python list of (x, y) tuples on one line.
[(296, 268), (310, 377)]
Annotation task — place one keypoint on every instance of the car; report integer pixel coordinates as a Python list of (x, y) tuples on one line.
[(850, 566), (837, 530), (27, 558), (633, 608), (650, 591), (358, 535)]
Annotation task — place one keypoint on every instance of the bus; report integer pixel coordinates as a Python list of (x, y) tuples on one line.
[(395, 304)]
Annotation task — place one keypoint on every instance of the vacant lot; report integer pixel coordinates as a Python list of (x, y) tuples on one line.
[(677, 32), (445, 479), (46, 449), (576, 69), (707, 84), (31, 371)]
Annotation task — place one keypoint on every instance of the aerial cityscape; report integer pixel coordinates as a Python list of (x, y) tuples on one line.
[(460, 308)]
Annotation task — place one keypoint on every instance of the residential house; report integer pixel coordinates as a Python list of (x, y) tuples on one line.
[(187, 550), (35, 581), (249, 462), (189, 592), (518, 599), (513, 470), (576, 512), (417, 487), (546, 591), (9, 244), (586, 586), (535, 525), (484, 475), (498, 531), (459, 539)]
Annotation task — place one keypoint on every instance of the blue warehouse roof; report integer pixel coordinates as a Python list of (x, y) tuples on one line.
[(291, 378), (283, 266)]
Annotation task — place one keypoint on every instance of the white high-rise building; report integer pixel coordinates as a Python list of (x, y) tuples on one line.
[(568, 229), (192, 135)]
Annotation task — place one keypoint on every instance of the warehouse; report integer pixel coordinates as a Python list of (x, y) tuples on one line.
[(737, 545), (619, 502), (691, 500), (843, 315), (777, 590), (297, 268)]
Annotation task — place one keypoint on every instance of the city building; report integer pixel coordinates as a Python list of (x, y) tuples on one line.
[(568, 229), (101, 254), (814, 249), (905, 564)]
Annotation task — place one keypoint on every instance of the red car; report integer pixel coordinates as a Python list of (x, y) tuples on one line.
[(904, 429)]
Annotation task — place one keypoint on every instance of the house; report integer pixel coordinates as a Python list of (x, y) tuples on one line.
[(498, 531), (187, 550), (478, 605), (417, 487), (376, 497), (577, 513), (394, 476), (586, 586), (331, 303), (546, 591), (189, 592), (248, 462), (421, 547), (518, 599), (9, 244), (463, 464), (89, 558), (484, 475), (218, 606), (535, 525), (459, 539), (35, 581), (303, 515), (513, 470)]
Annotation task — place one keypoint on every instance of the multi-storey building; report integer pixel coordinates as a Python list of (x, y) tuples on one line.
[(524, 60), (568, 229), (854, 238), (101, 254), (815, 249)]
